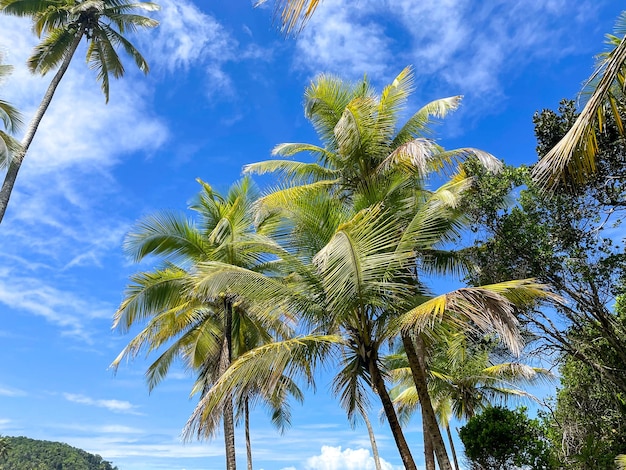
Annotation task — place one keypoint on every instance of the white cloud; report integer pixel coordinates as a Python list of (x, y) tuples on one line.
[(342, 39), (333, 458), (70, 311), (116, 406), (187, 37), (11, 392), (466, 45)]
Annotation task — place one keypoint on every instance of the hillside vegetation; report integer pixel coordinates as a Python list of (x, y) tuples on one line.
[(30, 454)]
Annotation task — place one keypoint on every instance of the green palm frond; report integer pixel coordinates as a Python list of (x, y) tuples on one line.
[(325, 101), (293, 14), (620, 461), (167, 234), (417, 125), (151, 292), (262, 368), (116, 39), (296, 172), (52, 50)]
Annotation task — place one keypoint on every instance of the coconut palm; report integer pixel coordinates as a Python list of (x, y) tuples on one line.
[(575, 154), (206, 332), (63, 25), (11, 120), (462, 379), (5, 448), (367, 157)]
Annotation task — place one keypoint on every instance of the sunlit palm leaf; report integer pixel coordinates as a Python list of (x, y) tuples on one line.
[(575, 154)]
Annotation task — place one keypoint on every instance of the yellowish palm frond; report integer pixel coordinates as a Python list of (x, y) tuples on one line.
[(574, 155), (487, 308)]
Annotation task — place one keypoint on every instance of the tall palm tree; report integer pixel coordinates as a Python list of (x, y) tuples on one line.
[(463, 378), (575, 154), (367, 158), (207, 332), (63, 25), (11, 120)]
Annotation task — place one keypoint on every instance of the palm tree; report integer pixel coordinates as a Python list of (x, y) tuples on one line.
[(367, 158), (64, 24), (12, 121), (5, 447), (207, 332), (575, 154), (462, 379)]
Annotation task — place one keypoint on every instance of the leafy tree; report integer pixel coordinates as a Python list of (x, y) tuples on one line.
[(26, 454), (567, 240), (502, 439), (64, 24), (588, 423), (574, 156)]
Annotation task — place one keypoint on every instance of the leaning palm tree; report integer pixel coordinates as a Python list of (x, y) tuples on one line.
[(206, 332), (575, 154), (12, 121), (63, 25)]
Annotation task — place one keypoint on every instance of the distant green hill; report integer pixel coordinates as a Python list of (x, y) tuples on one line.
[(30, 454)]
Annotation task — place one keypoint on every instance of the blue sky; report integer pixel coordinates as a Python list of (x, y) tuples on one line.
[(225, 88)]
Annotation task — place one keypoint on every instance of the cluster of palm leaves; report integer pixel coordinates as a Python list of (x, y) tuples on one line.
[(326, 268)]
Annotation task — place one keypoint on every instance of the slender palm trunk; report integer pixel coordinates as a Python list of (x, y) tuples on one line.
[(429, 453), (416, 356), (246, 411), (452, 449), (229, 421), (370, 432), (390, 413), (18, 158)]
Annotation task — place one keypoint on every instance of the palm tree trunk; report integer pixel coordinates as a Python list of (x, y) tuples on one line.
[(429, 453), (415, 354), (370, 432), (229, 421), (18, 158), (246, 412), (452, 449), (392, 418)]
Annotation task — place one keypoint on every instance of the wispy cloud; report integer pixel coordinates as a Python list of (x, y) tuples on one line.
[(11, 392), (189, 38), (466, 45), (116, 406)]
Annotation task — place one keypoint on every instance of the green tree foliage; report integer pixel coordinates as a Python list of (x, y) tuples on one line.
[(568, 240), (588, 423), (30, 454), (502, 439)]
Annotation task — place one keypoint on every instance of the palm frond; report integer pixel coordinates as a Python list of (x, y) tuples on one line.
[(575, 154), (262, 368), (486, 308), (417, 125), (52, 50)]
